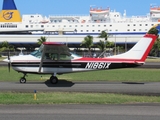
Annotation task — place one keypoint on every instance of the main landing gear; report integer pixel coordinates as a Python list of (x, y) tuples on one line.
[(23, 79), (53, 79)]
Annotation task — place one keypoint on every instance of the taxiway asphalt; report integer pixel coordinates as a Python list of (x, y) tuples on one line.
[(97, 87), (80, 112)]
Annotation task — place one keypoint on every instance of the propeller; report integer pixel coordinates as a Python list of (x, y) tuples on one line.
[(9, 62)]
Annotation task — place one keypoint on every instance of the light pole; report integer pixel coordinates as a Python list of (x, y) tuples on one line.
[(125, 44), (115, 46)]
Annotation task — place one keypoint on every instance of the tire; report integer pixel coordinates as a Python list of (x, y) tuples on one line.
[(53, 80), (22, 80)]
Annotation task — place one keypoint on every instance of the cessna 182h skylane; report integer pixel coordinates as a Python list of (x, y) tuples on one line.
[(55, 58)]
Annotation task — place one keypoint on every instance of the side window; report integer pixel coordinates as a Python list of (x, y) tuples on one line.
[(51, 56), (65, 57)]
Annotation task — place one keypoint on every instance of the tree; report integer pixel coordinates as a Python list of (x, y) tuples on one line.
[(104, 35), (153, 31), (88, 43), (101, 45), (109, 44), (6, 46), (156, 47), (41, 40)]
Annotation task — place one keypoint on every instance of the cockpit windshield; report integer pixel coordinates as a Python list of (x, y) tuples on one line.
[(38, 53)]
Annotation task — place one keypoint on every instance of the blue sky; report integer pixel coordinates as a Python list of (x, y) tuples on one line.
[(62, 7)]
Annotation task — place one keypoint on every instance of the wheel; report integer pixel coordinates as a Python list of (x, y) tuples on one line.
[(23, 80), (53, 79)]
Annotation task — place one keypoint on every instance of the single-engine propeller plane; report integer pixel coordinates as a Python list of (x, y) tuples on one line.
[(55, 58)]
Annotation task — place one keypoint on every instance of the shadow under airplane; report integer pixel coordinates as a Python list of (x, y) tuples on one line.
[(61, 83)]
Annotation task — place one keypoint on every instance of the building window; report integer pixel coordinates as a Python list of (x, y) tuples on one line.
[(26, 26), (110, 25), (42, 26)]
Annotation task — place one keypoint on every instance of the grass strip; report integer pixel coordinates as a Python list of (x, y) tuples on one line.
[(74, 98), (117, 75)]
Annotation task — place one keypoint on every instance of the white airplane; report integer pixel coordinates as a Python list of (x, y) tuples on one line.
[(55, 58)]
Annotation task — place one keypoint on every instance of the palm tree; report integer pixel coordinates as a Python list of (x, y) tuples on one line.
[(104, 35), (101, 45), (88, 43), (41, 40), (109, 44)]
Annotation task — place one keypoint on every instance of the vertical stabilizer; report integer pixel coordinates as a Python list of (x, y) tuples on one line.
[(139, 50), (9, 12)]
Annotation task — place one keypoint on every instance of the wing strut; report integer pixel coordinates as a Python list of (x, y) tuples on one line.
[(41, 63)]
